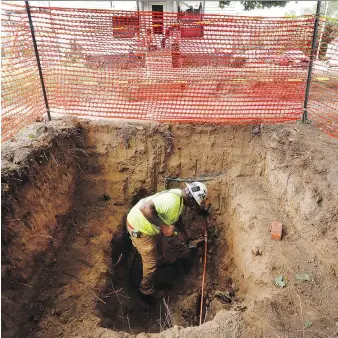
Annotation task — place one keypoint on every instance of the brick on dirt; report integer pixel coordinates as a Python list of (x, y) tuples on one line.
[(276, 230)]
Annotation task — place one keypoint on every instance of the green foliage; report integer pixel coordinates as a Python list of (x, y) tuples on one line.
[(302, 277), (280, 282), (308, 323), (251, 5), (222, 4)]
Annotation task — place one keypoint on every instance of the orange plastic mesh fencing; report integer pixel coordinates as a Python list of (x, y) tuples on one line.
[(160, 66), (21, 95), (323, 98)]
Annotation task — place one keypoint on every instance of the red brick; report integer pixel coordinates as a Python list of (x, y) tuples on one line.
[(276, 230)]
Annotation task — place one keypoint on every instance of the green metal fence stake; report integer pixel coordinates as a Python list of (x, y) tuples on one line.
[(38, 59), (309, 75)]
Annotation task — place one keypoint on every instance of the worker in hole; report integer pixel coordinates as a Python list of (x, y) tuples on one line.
[(155, 215)]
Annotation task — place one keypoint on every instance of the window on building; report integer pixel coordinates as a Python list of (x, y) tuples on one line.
[(126, 26), (157, 15)]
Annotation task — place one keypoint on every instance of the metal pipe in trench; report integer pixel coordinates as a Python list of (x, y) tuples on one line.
[(204, 268)]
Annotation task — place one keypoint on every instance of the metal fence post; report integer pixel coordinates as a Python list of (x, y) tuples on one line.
[(38, 59), (312, 56)]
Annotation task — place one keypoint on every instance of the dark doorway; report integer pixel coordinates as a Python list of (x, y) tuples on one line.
[(157, 18)]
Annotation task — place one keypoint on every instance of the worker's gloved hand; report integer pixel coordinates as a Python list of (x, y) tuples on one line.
[(205, 209), (168, 230), (195, 243)]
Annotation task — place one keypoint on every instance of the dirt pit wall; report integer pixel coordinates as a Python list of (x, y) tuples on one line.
[(65, 281), (39, 176)]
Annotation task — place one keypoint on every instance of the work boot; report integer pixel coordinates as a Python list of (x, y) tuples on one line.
[(158, 294)]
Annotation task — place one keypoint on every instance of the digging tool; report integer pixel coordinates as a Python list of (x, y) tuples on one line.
[(190, 180)]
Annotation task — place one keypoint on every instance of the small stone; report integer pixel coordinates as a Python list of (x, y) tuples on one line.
[(319, 200), (210, 250), (256, 251), (216, 233), (52, 312), (256, 130), (240, 307), (63, 320)]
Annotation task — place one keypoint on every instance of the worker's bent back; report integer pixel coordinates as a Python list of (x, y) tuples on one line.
[(169, 206)]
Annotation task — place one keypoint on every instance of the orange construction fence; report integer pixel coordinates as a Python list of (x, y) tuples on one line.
[(176, 67)]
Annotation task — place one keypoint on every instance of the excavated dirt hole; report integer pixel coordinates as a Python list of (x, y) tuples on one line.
[(66, 189), (60, 260), (179, 273)]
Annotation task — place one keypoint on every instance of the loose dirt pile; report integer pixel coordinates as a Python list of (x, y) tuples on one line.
[(68, 185)]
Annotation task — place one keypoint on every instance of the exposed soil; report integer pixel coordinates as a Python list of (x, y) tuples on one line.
[(68, 185)]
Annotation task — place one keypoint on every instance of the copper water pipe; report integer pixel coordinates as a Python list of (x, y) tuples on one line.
[(204, 267)]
